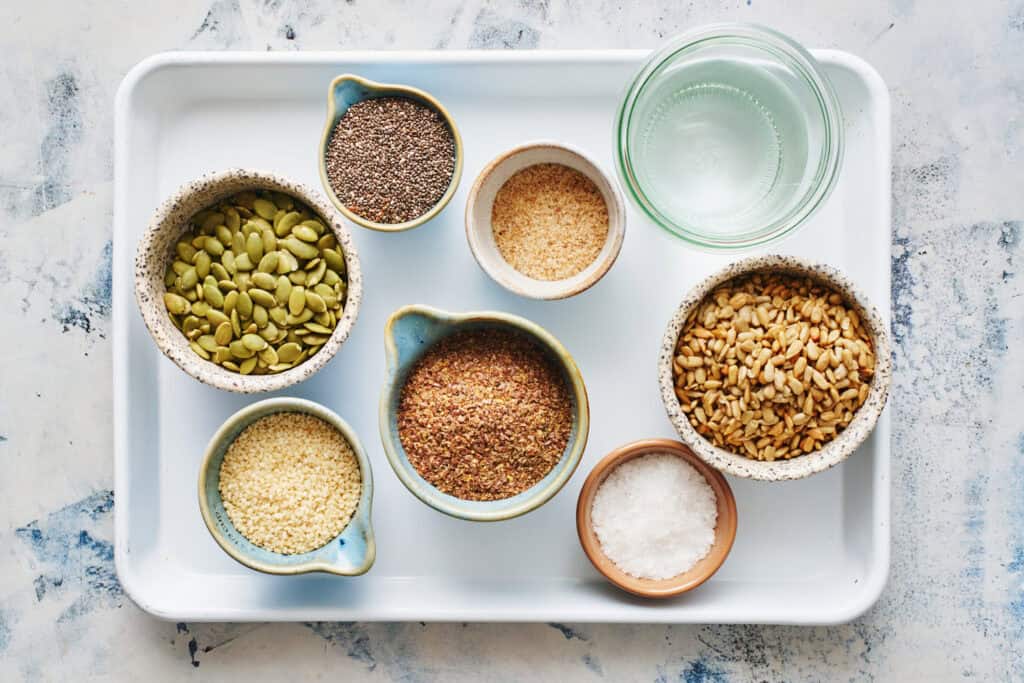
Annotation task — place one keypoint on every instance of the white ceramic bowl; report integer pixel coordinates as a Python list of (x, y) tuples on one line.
[(481, 237), (154, 252), (834, 451)]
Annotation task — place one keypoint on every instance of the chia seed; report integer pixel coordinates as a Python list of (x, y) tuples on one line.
[(390, 159)]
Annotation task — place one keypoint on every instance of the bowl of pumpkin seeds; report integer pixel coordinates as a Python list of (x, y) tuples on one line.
[(248, 281)]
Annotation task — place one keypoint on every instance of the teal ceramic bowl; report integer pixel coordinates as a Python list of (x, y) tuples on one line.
[(409, 332), (350, 553), (346, 90)]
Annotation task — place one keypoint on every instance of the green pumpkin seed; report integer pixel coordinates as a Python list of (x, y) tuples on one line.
[(280, 367), (180, 267), (315, 224), (299, 248), (223, 334), (278, 315), (313, 300), (305, 233), (236, 325), (268, 356), (313, 263), (228, 259), (254, 247), (170, 279), (189, 324), (324, 319), (177, 305), (212, 295), (207, 342), (288, 352), (199, 350), (244, 306), (216, 317), (240, 350), (232, 220), (233, 367), (314, 277), (219, 272), (186, 252), (297, 277), (221, 354), (247, 366), (287, 222), (286, 262), (327, 242), (243, 262), (282, 289), (188, 279), (238, 243), (244, 281), (323, 290), (265, 299), (264, 208), (230, 301), (214, 247), (254, 342), (264, 280), (203, 261), (331, 301), (306, 314), (269, 332), (315, 339), (318, 328), (282, 201), (297, 300), (200, 308), (227, 285), (223, 234), (268, 264), (250, 329), (330, 277), (259, 315), (334, 260)]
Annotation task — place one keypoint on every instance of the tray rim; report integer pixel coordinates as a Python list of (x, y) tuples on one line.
[(880, 111)]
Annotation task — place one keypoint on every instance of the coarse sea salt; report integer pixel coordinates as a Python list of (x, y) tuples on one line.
[(655, 516)]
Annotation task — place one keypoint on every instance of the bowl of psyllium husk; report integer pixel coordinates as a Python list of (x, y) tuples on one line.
[(390, 155), (654, 519), (286, 488)]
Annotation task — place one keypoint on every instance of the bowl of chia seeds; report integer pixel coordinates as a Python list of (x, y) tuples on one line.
[(390, 155)]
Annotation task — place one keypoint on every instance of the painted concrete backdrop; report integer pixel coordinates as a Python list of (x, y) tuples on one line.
[(954, 606)]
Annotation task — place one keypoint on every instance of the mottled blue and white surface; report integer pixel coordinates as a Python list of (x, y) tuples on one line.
[(954, 606)]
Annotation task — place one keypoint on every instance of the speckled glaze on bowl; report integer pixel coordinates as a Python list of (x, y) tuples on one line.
[(833, 452), (408, 334), (350, 553), (156, 248), (480, 234), (346, 90)]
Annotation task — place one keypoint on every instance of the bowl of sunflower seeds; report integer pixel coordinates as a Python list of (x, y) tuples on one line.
[(247, 281), (775, 368)]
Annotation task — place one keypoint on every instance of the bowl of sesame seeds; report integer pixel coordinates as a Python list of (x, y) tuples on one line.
[(286, 488), (544, 221), (390, 155), (484, 416)]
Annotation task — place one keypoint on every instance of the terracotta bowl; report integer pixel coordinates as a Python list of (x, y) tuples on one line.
[(155, 250), (831, 453), (725, 529), (480, 236)]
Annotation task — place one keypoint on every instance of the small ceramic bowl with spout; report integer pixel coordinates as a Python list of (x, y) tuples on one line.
[(409, 333), (350, 553), (348, 89)]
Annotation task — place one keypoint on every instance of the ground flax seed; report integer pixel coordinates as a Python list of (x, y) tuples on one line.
[(390, 159), (485, 414)]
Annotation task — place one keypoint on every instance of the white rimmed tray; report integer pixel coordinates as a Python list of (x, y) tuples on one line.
[(807, 552)]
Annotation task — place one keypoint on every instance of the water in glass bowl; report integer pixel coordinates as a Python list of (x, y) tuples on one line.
[(720, 144)]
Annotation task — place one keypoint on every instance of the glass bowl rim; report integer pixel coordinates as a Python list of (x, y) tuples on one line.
[(796, 59)]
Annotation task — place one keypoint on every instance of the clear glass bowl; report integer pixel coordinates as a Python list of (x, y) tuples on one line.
[(729, 137)]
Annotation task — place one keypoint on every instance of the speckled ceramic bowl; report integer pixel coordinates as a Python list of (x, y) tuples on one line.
[(480, 235), (156, 248), (350, 553), (409, 332), (833, 452), (346, 90)]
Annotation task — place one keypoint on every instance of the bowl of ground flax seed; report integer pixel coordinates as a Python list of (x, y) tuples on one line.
[(390, 155), (484, 416)]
